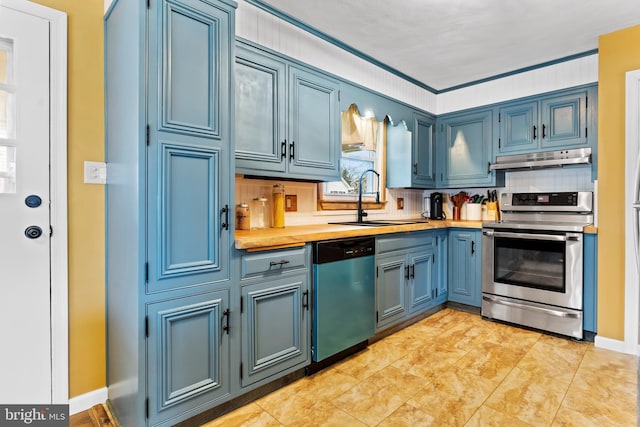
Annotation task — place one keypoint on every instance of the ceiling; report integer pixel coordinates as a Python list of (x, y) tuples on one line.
[(442, 44)]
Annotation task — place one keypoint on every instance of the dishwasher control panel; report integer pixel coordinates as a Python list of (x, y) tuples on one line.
[(340, 249)]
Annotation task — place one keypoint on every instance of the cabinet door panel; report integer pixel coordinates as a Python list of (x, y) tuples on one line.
[(190, 64), (314, 117), (421, 267), (467, 143), (186, 239), (424, 152), (188, 354), (274, 327), (442, 256), (464, 267), (390, 289), (517, 131), (564, 120), (260, 112)]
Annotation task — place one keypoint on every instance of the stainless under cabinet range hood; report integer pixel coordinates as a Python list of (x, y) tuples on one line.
[(545, 159)]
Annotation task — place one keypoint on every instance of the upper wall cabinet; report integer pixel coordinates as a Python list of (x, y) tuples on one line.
[(558, 121), (411, 157), (287, 119), (465, 142)]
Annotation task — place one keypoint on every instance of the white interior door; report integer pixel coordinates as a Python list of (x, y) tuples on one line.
[(25, 242)]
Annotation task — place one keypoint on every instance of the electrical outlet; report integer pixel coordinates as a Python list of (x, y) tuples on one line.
[(95, 172), (290, 203), (400, 203)]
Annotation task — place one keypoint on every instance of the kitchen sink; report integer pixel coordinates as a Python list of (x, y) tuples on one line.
[(378, 223)]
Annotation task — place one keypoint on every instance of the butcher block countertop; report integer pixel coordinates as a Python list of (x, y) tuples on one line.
[(298, 235)]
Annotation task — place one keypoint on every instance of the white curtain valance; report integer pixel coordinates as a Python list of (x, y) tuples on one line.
[(357, 131)]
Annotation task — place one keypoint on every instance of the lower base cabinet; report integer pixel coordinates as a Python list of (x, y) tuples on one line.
[(465, 266), (407, 276), (275, 323), (188, 349), (275, 314)]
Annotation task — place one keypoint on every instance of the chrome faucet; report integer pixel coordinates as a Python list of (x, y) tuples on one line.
[(361, 212)]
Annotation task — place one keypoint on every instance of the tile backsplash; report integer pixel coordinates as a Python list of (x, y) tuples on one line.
[(307, 197), (557, 179)]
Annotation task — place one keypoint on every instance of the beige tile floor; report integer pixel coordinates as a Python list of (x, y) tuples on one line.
[(456, 369)]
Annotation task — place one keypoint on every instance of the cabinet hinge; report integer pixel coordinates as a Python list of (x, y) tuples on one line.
[(586, 132), (338, 96), (376, 271), (376, 317), (146, 408), (586, 102), (148, 4), (146, 272), (499, 117), (50, 231), (240, 370), (147, 134), (146, 326), (241, 304), (499, 142)]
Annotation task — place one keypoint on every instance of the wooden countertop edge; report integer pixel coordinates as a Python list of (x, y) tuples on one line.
[(291, 236), (591, 229)]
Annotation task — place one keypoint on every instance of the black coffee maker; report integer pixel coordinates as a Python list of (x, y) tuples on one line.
[(436, 206)]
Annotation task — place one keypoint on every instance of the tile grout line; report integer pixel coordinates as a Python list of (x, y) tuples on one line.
[(501, 381), (575, 373)]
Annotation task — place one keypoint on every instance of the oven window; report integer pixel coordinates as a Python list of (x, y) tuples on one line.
[(532, 263)]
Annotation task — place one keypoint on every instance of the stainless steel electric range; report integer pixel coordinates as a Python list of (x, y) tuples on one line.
[(532, 272)]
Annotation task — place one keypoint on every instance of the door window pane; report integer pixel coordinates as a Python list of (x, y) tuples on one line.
[(7, 90), (7, 169)]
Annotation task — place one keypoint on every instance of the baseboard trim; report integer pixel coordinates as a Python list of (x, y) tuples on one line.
[(616, 345), (87, 400)]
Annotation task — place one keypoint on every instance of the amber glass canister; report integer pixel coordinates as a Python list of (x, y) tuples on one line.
[(278, 205)]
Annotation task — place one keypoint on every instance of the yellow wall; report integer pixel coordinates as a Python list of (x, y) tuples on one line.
[(619, 52), (85, 126)]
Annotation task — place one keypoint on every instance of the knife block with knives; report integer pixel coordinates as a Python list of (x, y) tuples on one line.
[(493, 212)]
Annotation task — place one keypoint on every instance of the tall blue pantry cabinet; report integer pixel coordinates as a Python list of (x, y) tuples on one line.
[(169, 150)]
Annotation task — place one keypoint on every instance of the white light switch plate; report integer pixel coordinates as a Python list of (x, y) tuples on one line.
[(95, 172)]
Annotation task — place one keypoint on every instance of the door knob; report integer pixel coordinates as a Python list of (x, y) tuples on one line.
[(33, 232)]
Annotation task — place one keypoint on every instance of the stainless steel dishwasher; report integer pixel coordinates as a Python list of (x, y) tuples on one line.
[(343, 296)]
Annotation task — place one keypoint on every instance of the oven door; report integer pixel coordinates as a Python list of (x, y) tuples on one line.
[(542, 267)]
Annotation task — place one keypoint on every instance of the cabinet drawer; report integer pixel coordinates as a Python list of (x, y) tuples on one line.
[(273, 262)]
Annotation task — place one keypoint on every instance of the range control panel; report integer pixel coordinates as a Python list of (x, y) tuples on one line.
[(567, 201), (545, 199)]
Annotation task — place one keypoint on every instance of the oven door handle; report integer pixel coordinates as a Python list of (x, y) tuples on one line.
[(550, 237), (557, 313)]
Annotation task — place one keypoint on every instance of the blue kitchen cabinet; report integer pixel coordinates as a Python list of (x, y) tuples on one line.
[(406, 272), (561, 120), (168, 146), (260, 83), (465, 144), (590, 280), (288, 118), (518, 127), (440, 286), (411, 156), (275, 313), (391, 300), (188, 353), (465, 266), (422, 266)]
